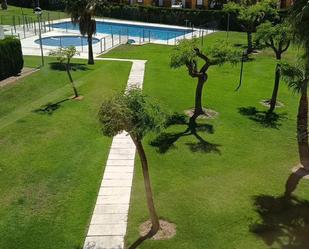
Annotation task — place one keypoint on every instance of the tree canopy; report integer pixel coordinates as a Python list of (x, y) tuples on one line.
[(277, 37), (133, 112), (188, 51)]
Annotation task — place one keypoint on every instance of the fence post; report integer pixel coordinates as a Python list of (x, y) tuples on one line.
[(14, 23), (149, 36), (82, 43), (127, 33), (101, 45), (119, 37), (66, 26), (112, 40), (104, 43), (140, 38), (24, 29), (143, 35)]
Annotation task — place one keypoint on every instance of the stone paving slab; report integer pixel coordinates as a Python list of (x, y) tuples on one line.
[(108, 224), (104, 242), (111, 209)]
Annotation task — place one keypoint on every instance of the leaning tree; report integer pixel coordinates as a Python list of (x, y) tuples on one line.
[(64, 56), (4, 4), (134, 113), (187, 53), (250, 15), (278, 38), (82, 13)]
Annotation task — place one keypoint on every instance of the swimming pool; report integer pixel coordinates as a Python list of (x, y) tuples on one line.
[(65, 41), (132, 30)]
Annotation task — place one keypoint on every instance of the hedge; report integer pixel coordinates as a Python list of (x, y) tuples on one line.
[(11, 57), (44, 4), (216, 19)]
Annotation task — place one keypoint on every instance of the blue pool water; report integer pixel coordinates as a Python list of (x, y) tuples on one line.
[(137, 31), (65, 41)]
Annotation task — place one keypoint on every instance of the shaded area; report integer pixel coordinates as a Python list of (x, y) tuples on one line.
[(74, 66), (167, 140), (264, 118), (50, 108), (284, 222)]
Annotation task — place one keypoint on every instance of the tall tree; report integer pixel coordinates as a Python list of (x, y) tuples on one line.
[(64, 56), (250, 15), (297, 78), (278, 38), (135, 113), (82, 13), (187, 53), (4, 4), (300, 76)]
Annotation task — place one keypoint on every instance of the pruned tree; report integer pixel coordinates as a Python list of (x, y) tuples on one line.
[(250, 15), (187, 53), (134, 113), (64, 56), (278, 38), (297, 78), (82, 13), (4, 4)]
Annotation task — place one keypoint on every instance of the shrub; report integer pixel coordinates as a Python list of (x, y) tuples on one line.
[(11, 57), (216, 19), (44, 4)]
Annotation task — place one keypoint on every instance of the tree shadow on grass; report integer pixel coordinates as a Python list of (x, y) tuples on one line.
[(50, 108), (74, 66), (166, 140), (284, 222), (264, 118)]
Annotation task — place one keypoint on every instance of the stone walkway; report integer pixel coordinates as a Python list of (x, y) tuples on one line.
[(109, 220)]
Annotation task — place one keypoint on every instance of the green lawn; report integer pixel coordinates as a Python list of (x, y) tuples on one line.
[(209, 191), (52, 163), (6, 16)]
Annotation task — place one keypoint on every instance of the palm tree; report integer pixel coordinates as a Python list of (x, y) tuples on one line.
[(297, 78), (82, 12), (4, 4)]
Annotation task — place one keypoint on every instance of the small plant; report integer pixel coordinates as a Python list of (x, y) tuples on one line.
[(64, 56)]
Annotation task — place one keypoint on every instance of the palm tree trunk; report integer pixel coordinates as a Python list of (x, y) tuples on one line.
[(273, 99), (90, 51), (4, 4), (71, 81), (302, 127), (250, 44), (302, 139), (149, 196), (198, 109)]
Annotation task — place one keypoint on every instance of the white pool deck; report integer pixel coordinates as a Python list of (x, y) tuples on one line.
[(32, 48)]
